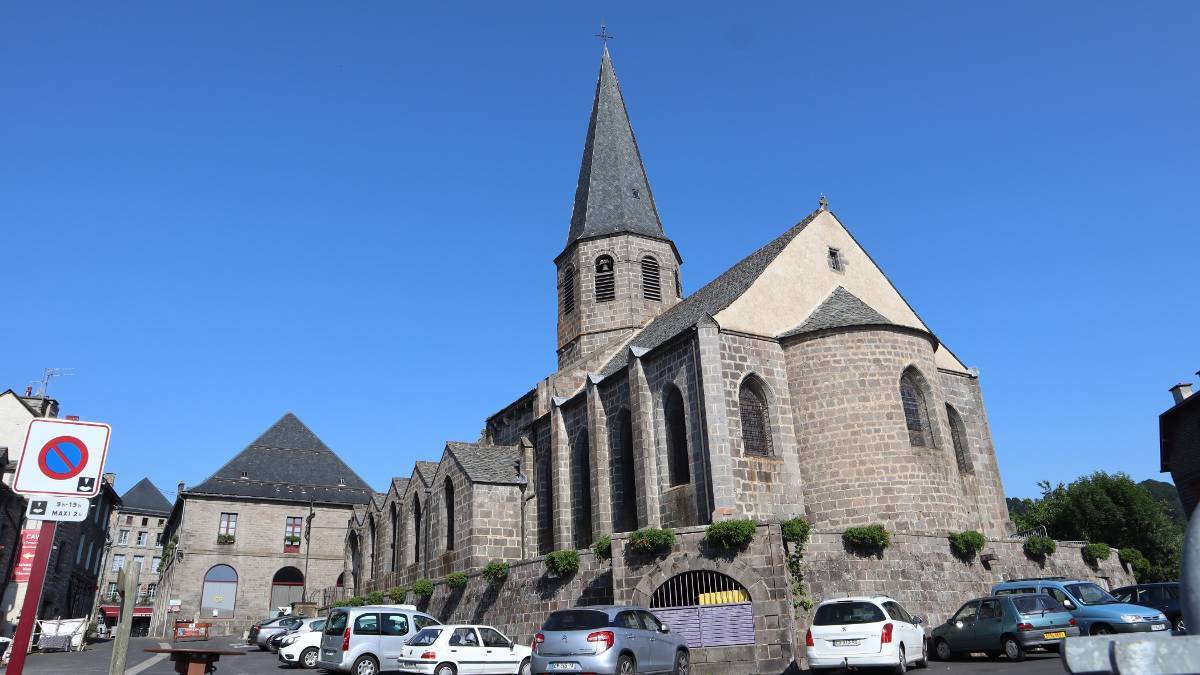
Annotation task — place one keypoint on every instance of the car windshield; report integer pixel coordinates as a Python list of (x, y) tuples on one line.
[(1090, 594), (843, 613), (1036, 604), (576, 619), (426, 637)]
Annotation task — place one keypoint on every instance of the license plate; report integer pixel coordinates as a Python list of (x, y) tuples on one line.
[(847, 643), (1158, 626), (564, 666), (1054, 636)]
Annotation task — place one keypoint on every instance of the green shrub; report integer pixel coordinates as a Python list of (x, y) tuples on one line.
[(561, 563), (423, 587), (1039, 546), (1094, 553), (374, 598), (397, 594), (1137, 563), (495, 571), (603, 547), (356, 601), (729, 534), (966, 544), (651, 540), (456, 580), (795, 530), (867, 538)]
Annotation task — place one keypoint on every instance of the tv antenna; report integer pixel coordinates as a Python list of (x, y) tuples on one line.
[(48, 374)]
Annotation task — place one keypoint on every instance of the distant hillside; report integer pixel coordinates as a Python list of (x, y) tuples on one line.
[(1168, 498)]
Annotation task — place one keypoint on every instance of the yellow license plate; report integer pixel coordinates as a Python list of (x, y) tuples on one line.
[(1054, 636)]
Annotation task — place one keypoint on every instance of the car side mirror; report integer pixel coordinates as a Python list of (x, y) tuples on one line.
[(664, 628), (1068, 604), (958, 624), (918, 620)]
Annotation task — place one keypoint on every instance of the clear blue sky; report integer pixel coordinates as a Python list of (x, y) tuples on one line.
[(218, 212)]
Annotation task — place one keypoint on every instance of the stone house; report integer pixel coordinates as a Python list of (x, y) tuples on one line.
[(136, 534), (799, 382), (264, 531), (1179, 444)]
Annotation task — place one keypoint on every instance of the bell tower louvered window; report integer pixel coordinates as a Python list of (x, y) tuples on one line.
[(651, 280), (606, 282), (756, 422), (567, 289)]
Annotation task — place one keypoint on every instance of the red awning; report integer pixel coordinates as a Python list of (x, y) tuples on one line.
[(114, 611)]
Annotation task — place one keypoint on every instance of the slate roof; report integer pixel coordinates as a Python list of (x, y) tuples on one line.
[(145, 498), (377, 500), (842, 308), (287, 461), (613, 192), (399, 485), (495, 464), (712, 298), (426, 470)]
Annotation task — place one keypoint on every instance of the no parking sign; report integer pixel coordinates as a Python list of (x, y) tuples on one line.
[(62, 457)]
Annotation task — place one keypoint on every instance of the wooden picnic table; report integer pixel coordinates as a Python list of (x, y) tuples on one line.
[(194, 660)]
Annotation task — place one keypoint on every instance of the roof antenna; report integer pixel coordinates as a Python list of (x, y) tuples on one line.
[(49, 374)]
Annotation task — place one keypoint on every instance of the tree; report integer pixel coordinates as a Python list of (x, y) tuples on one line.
[(1107, 508)]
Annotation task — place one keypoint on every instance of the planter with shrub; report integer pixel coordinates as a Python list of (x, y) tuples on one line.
[(397, 594), (495, 571), (562, 563), (1039, 546), (868, 538), (651, 540), (967, 544), (1094, 553), (795, 530), (456, 580), (730, 534), (422, 588), (603, 548)]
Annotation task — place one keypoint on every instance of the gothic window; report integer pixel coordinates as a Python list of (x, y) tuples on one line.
[(448, 493), (567, 289), (958, 436), (416, 516), (544, 481), (606, 283), (678, 285), (756, 420), (581, 504), (374, 548), (651, 281), (624, 482), (916, 413), (678, 457), (395, 513)]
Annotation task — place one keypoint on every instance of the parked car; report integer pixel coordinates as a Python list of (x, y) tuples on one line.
[(1004, 624), (283, 624), (1095, 610), (257, 627), (452, 649), (861, 631), (360, 639), (608, 639), (1162, 596), (302, 648), (306, 625)]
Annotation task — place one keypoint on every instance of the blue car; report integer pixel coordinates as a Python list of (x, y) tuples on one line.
[(1095, 610)]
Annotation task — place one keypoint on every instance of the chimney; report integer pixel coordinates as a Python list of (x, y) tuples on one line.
[(29, 391), (73, 418), (110, 478), (179, 489), (1181, 392)]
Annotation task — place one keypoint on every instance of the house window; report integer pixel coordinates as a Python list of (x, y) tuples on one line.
[(143, 537), (118, 562), (756, 420), (567, 289), (112, 589), (123, 538), (160, 522), (449, 495), (140, 561), (291, 534), (679, 459), (128, 520), (651, 280), (916, 414), (606, 283), (835, 259), (227, 529), (151, 590), (219, 592), (155, 563), (158, 540), (145, 522)]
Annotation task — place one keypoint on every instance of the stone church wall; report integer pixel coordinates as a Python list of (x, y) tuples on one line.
[(677, 365), (983, 487)]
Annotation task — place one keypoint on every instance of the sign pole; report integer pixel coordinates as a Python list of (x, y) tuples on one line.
[(127, 581), (33, 594)]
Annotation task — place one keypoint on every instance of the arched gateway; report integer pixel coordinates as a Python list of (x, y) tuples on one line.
[(707, 608)]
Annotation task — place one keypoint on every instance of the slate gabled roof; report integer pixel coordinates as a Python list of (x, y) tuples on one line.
[(495, 464), (145, 498), (613, 193), (399, 485), (712, 298), (842, 308), (288, 462), (426, 470)]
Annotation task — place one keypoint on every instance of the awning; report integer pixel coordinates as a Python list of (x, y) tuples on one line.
[(114, 611)]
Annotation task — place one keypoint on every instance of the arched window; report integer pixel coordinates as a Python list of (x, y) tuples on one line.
[(606, 284), (651, 281), (678, 285), (287, 586), (916, 413), (341, 580), (372, 535), (544, 487), (678, 458), (567, 290), (395, 513), (756, 420), (581, 486), (416, 516), (448, 493), (958, 436), (219, 593), (624, 481)]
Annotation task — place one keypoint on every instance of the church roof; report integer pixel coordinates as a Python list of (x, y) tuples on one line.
[(399, 485), (842, 308), (287, 461), (487, 463), (712, 298), (613, 194), (145, 498), (426, 470)]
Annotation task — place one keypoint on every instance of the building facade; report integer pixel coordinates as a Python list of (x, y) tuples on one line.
[(136, 540), (1179, 444), (264, 531)]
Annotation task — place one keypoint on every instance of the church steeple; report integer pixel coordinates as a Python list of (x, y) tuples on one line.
[(613, 194)]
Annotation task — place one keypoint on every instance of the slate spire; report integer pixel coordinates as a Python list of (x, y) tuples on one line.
[(613, 195)]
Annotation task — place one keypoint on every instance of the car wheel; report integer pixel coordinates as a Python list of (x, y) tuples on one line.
[(309, 657), (1102, 629), (526, 668), (625, 665), (1013, 649), (901, 667), (923, 662), (683, 664), (943, 651), (444, 669), (366, 665)]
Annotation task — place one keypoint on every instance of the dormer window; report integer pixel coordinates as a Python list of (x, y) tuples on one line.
[(637, 194), (835, 260), (245, 475), (341, 481)]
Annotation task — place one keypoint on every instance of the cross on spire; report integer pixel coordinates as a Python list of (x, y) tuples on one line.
[(604, 35)]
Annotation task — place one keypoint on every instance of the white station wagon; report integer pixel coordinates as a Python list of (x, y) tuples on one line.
[(463, 649)]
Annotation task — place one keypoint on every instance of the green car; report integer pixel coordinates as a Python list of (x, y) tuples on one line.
[(1004, 624)]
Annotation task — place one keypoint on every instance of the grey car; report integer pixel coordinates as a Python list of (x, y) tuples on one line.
[(268, 630), (608, 639)]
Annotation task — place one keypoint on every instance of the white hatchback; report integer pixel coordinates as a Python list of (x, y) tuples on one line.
[(862, 631), (302, 648), (463, 649)]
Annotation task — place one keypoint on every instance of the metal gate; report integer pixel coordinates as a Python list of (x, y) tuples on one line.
[(705, 608)]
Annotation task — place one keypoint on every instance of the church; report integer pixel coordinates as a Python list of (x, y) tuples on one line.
[(798, 383)]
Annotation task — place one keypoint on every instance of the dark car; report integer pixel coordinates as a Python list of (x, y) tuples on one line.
[(265, 625), (1161, 596), (1004, 624)]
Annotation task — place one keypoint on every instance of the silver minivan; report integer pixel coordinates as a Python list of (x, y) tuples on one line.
[(359, 639)]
